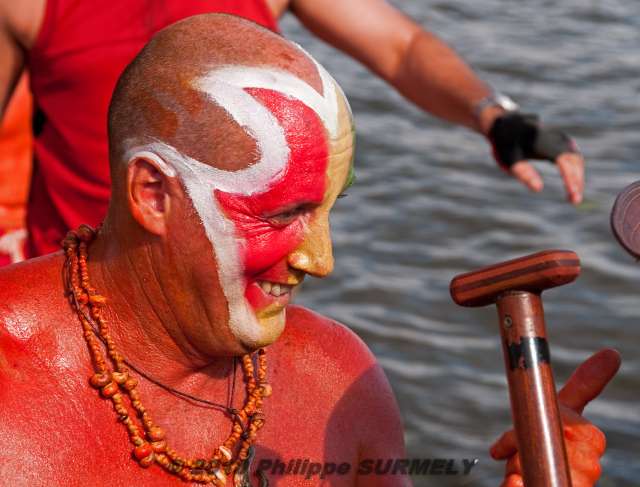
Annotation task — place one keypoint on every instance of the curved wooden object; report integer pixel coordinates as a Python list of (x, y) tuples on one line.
[(515, 286), (533, 273), (625, 219)]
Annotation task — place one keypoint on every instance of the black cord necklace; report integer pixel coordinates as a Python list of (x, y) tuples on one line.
[(228, 409)]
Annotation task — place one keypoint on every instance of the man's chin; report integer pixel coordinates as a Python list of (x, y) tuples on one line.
[(271, 323)]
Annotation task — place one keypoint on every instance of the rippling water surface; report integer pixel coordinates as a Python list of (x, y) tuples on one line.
[(429, 203)]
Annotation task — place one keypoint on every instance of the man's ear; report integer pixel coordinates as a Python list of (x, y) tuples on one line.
[(149, 192)]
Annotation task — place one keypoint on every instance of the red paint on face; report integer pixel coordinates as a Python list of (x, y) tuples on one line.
[(268, 237)]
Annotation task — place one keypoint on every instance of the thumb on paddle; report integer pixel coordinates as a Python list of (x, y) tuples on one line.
[(589, 379)]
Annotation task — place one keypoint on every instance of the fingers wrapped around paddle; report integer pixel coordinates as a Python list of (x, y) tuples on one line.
[(517, 137), (584, 442)]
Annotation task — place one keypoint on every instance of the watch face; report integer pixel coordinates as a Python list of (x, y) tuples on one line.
[(503, 101), (495, 100)]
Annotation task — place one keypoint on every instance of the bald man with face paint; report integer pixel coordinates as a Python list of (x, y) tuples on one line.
[(75, 51), (228, 147)]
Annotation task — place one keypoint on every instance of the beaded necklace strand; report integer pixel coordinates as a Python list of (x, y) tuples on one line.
[(116, 384)]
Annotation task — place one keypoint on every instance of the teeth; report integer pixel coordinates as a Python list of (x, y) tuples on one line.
[(274, 289), (266, 286)]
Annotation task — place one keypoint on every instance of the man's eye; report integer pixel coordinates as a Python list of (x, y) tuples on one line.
[(286, 217)]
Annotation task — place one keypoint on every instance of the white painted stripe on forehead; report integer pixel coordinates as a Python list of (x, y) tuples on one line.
[(261, 124), (325, 105), (327, 81)]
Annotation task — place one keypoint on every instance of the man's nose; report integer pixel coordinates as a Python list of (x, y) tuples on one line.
[(314, 255)]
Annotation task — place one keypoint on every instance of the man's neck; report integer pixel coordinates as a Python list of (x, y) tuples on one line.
[(141, 321)]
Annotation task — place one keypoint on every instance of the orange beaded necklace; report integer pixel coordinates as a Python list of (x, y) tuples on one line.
[(116, 383)]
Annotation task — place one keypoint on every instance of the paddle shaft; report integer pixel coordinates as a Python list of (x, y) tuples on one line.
[(534, 404)]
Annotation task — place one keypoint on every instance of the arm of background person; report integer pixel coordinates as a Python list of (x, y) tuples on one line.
[(11, 54), (19, 25), (421, 67)]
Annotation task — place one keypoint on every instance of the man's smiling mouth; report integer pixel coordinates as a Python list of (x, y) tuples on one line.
[(275, 289)]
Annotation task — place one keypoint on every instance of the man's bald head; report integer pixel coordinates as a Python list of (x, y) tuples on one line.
[(227, 130), (157, 97)]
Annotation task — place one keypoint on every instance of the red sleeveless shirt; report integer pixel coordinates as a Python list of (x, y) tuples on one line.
[(81, 49)]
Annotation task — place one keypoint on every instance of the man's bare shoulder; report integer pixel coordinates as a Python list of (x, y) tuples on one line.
[(35, 284), (329, 355), (335, 367), (33, 308), (310, 334), (44, 366)]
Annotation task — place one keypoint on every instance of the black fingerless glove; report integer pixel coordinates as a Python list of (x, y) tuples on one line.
[(516, 136)]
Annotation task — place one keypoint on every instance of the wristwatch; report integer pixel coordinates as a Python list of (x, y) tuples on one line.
[(495, 99)]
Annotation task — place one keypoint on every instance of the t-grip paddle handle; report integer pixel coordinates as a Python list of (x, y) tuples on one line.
[(515, 286)]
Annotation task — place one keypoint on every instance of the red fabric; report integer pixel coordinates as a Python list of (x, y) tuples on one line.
[(81, 49)]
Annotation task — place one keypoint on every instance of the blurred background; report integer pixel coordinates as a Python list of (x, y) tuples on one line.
[(429, 203)]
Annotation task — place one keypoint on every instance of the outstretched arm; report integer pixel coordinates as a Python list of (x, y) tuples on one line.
[(584, 442), (428, 72), (418, 64)]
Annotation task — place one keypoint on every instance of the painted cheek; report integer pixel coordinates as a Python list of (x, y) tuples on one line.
[(263, 245), (266, 246)]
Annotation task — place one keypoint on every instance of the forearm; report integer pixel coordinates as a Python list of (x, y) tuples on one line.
[(418, 64), (435, 78)]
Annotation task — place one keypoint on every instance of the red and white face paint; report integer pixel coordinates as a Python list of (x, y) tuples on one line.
[(256, 217)]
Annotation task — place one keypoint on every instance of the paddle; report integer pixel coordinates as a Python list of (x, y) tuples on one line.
[(515, 287)]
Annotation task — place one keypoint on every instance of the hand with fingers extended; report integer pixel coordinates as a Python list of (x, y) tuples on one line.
[(584, 442), (516, 137)]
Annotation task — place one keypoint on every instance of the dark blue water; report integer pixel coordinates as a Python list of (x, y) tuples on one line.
[(429, 203)]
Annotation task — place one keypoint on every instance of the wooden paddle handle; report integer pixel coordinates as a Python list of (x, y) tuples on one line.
[(515, 287), (534, 404)]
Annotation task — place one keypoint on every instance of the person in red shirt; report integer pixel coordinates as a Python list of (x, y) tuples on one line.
[(76, 50), (228, 148)]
